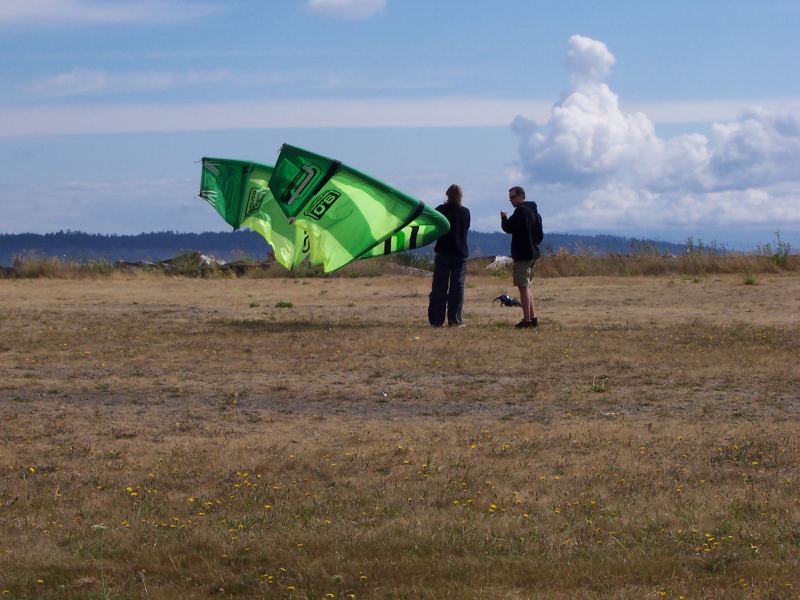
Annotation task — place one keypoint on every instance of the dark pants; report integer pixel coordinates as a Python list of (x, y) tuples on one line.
[(447, 291)]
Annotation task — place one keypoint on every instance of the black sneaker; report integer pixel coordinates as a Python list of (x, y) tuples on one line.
[(527, 324)]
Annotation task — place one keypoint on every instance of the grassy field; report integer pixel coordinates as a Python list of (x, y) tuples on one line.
[(314, 438)]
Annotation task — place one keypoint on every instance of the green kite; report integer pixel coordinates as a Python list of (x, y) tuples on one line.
[(316, 207)]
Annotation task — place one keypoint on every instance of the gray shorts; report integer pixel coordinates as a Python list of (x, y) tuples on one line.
[(523, 272)]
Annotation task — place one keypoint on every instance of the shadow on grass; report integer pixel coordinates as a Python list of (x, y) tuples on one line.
[(294, 326)]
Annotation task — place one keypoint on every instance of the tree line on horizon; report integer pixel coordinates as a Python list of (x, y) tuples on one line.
[(232, 245)]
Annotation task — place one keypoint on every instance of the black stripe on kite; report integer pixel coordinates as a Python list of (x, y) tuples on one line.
[(414, 232)]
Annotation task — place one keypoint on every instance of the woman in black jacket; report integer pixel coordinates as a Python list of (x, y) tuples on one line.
[(450, 264)]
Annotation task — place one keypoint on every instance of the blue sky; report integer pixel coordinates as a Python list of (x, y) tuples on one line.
[(649, 119)]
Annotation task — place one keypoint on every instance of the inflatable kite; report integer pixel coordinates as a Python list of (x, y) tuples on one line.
[(310, 206)]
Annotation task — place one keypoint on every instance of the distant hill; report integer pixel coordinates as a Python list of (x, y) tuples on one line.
[(74, 245)]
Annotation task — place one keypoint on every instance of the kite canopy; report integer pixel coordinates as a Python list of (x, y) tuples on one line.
[(310, 205)]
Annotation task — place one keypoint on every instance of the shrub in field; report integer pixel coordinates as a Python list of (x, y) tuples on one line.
[(187, 263), (749, 279), (97, 268), (776, 252), (34, 267), (31, 267)]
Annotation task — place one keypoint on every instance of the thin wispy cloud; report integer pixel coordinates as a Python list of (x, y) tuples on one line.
[(709, 111), (86, 82), (347, 9), (88, 119), (626, 176), (82, 82), (101, 12), (433, 111)]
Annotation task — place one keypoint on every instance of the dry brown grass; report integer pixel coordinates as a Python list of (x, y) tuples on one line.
[(696, 264), (185, 438), (565, 264)]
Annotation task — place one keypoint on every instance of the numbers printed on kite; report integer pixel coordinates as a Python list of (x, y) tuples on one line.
[(321, 205)]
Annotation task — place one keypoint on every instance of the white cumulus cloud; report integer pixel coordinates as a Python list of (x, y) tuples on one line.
[(615, 172), (347, 9), (759, 148), (588, 60)]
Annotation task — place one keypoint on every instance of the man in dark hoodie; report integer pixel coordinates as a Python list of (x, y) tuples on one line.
[(525, 227), (450, 266)]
